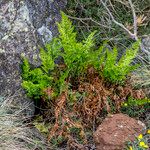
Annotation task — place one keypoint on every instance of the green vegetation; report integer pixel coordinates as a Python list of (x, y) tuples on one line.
[(35, 80), (135, 107), (77, 58), (83, 77), (117, 71), (136, 102)]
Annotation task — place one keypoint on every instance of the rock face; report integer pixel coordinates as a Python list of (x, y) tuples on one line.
[(24, 26), (115, 131)]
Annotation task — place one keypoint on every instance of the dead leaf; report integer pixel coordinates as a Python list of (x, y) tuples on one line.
[(141, 19)]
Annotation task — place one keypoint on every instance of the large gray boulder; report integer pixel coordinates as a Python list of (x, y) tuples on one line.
[(24, 26)]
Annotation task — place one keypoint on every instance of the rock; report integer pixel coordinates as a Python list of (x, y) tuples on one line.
[(45, 13), (17, 38), (25, 25), (115, 130)]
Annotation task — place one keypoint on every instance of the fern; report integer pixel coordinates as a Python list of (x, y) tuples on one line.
[(76, 54), (117, 71), (25, 69), (76, 58), (34, 81), (47, 61)]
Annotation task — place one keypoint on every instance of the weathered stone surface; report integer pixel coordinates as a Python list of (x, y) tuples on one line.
[(24, 26), (115, 131), (17, 37), (46, 13)]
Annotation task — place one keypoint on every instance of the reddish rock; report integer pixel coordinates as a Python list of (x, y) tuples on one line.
[(115, 130)]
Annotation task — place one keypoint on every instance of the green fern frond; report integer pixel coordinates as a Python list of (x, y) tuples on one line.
[(66, 30), (47, 60), (117, 71), (89, 42), (130, 54), (25, 68), (136, 102)]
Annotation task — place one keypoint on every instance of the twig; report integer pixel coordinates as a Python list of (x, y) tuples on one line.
[(133, 35), (89, 19), (134, 19)]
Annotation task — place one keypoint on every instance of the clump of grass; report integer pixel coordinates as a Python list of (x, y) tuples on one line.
[(141, 77), (14, 133)]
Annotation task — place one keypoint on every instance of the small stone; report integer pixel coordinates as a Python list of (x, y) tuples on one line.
[(115, 130)]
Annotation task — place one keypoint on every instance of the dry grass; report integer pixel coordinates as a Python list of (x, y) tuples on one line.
[(14, 133), (141, 77)]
